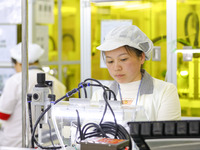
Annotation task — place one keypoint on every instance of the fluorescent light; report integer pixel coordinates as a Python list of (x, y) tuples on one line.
[(184, 73), (138, 6), (99, 1), (187, 51), (115, 4)]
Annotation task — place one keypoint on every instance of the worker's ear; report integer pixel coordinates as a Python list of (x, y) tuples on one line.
[(142, 58), (18, 67)]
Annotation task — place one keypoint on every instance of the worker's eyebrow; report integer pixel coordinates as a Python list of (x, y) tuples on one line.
[(118, 55)]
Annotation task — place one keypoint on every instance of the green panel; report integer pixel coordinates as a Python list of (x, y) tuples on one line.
[(188, 71), (149, 16), (70, 12), (70, 32)]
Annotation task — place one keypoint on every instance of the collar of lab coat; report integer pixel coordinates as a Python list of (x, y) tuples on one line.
[(146, 85)]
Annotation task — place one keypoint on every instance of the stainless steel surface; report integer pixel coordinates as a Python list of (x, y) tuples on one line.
[(171, 41), (59, 40), (85, 14), (174, 144), (14, 148), (24, 68)]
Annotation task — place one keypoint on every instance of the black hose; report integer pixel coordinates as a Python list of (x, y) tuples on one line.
[(197, 28)]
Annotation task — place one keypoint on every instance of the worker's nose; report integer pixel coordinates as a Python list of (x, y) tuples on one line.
[(117, 66)]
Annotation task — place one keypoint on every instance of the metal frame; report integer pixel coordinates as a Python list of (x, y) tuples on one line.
[(85, 15), (171, 41), (59, 40), (24, 68)]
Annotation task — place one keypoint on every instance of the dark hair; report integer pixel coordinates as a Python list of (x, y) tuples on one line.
[(130, 50), (14, 61)]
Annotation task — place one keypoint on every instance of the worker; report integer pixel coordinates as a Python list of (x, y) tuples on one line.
[(11, 98), (125, 50)]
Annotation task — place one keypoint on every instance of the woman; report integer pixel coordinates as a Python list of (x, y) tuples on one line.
[(125, 50), (11, 98)]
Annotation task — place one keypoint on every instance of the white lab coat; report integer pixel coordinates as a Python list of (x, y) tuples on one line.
[(159, 99), (10, 103)]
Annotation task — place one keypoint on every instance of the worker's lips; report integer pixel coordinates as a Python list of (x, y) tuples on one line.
[(119, 75)]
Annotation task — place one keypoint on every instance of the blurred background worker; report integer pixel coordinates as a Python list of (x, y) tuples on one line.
[(11, 98)]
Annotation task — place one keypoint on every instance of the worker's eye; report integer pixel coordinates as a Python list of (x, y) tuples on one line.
[(109, 62), (123, 59)]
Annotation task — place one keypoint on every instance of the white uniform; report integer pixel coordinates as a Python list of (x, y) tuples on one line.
[(10, 103), (159, 99)]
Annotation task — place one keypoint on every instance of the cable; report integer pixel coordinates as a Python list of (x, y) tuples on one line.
[(110, 91), (33, 140), (107, 104), (36, 124), (163, 38), (106, 129), (105, 98), (34, 129), (160, 38), (79, 124), (197, 27), (84, 88), (103, 129), (30, 116), (30, 120), (29, 99), (72, 38), (53, 42), (103, 87), (50, 133)]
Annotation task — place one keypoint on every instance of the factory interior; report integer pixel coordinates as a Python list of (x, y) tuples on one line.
[(70, 31)]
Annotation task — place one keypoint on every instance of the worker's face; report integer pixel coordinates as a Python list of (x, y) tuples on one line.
[(123, 66), (18, 67)]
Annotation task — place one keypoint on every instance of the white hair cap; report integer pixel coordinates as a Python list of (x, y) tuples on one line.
[(34, 52), (129, 35)]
